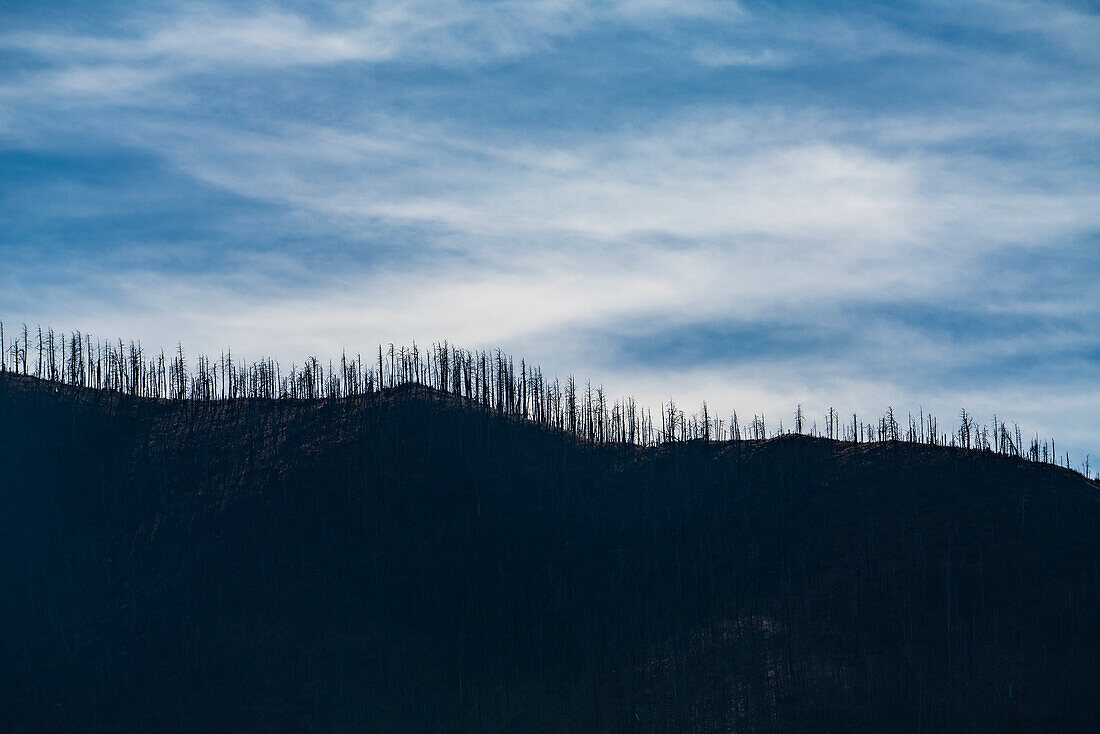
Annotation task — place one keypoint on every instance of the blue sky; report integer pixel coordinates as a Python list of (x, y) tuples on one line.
[(758, 204)]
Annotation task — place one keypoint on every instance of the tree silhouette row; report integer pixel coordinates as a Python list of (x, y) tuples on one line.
[(490, 380)]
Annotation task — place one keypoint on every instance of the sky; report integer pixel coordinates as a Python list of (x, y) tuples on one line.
[(762, 205)]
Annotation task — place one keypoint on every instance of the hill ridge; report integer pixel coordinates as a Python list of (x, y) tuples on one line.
[(402, 563)]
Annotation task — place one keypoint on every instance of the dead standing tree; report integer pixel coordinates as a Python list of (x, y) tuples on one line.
[(485, 379)]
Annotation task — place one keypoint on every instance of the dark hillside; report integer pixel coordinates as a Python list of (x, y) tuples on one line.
[(408, 561)]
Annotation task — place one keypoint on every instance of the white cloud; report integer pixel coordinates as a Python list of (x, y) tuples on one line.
[(733, 214), (725, 56), (201, 36)]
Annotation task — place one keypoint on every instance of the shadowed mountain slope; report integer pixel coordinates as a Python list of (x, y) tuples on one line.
[(405, 561)]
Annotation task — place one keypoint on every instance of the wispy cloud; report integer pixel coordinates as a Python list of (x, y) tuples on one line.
[(191, 37)]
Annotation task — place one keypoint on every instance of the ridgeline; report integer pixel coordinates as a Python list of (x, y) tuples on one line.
[(408, 559)]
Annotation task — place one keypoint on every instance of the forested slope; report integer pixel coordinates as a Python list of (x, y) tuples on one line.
[(408, 561)]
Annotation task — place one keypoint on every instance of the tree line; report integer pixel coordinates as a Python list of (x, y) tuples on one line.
[(489, 379)]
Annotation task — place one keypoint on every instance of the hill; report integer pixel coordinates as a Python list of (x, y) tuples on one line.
[(409, 561)]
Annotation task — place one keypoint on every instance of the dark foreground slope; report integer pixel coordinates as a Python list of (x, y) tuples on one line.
[(405, 563)]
